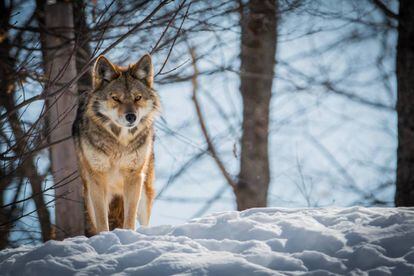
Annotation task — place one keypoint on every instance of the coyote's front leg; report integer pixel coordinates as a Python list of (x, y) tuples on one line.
[(133, 182), (97, 202)]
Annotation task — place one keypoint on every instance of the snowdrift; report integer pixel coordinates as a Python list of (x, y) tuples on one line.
[(269, 241)]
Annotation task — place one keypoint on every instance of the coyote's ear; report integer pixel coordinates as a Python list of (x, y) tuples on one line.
[(103, 71), (143, 70)]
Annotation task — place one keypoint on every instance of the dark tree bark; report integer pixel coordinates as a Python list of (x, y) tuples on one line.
[(6, 68), (83, 55), (83, 48), (258, 48), (60, 68), (405, 105)]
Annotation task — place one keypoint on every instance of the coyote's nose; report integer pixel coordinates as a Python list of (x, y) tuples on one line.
[(130, 117)]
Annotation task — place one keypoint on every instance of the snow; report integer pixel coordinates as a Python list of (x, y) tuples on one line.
[(266, 241)]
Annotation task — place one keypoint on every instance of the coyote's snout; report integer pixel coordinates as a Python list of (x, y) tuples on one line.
[(113, 134)]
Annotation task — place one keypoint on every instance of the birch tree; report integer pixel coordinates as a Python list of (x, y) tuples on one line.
[(60, 69)]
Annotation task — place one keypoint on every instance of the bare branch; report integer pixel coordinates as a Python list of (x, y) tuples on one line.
[(210, 145)]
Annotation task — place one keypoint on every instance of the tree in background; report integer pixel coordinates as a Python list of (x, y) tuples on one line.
[(258, 39), (404, 69), (60, 69), (15, 134), (258, 48), (405, 105)]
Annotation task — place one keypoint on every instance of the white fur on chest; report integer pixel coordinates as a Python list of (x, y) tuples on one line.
[(102, 162), (115, 167), (125, 136)]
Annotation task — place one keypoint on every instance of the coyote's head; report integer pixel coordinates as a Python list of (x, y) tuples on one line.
[(123, 97)]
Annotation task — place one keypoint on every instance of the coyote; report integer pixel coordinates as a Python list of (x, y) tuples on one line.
[(114, 136)]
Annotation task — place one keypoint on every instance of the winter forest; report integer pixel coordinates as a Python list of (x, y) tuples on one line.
[(285, 104)]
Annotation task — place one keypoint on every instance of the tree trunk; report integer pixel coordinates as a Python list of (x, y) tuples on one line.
[(258, 48), (405, 105), (83, 48), (60, 68), (83, 55)]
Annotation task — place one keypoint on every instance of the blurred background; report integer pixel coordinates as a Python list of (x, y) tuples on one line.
[(279, 103)]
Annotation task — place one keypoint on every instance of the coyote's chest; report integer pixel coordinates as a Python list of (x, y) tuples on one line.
[(115, 165), (114, 158), (103, 161)]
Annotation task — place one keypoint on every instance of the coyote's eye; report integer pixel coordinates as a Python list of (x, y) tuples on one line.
[(137, 98), (115, 98)]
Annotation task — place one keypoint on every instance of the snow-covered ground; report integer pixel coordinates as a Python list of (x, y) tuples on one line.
[(270, 241)]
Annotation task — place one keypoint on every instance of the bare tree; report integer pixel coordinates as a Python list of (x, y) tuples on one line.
[(60, 69), (405, 88), (258, 23), (258, 49), (20, 143)]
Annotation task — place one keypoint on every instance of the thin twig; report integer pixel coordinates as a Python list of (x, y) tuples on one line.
[(210, 145)]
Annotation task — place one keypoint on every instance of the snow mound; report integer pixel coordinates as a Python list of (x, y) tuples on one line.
[(269, 241)]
